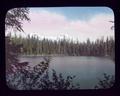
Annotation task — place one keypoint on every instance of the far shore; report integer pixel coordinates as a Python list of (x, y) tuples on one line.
[(43, 55), (51, 55)]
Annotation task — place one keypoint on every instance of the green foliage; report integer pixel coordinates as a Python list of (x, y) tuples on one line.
[(107, 82), (33, 45)]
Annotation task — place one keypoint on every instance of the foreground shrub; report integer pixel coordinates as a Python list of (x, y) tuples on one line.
[(38, 79), (107, 82)]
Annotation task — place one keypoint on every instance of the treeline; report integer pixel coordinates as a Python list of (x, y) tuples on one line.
[(33, 45)]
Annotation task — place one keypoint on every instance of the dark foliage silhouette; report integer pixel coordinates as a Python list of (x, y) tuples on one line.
[(14, 18), (38, 78), (107, 82)]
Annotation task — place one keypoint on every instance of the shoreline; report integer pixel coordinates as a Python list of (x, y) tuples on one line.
[(56, 55), (43, 55)]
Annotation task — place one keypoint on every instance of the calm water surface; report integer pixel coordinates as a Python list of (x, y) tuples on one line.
[(86, 69)]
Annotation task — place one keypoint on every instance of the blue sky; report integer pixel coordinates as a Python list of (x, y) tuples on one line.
[(83, 13), (77, 23)]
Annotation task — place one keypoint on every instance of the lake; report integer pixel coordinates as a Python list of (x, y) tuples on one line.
[(86, 68)]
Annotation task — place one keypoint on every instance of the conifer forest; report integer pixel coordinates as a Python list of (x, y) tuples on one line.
[(32, 45), (81, 57)]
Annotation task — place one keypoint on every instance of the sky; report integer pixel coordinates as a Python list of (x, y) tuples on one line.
[(77, 23)]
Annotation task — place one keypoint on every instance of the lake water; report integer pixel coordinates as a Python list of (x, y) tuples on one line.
[(86, 68)]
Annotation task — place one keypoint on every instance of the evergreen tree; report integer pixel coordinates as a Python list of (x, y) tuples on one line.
[(14, 19)]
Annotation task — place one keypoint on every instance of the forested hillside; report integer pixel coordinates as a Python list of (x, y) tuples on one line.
[(34, 45)]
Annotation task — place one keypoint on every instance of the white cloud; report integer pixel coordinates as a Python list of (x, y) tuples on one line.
[(53, 25)]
